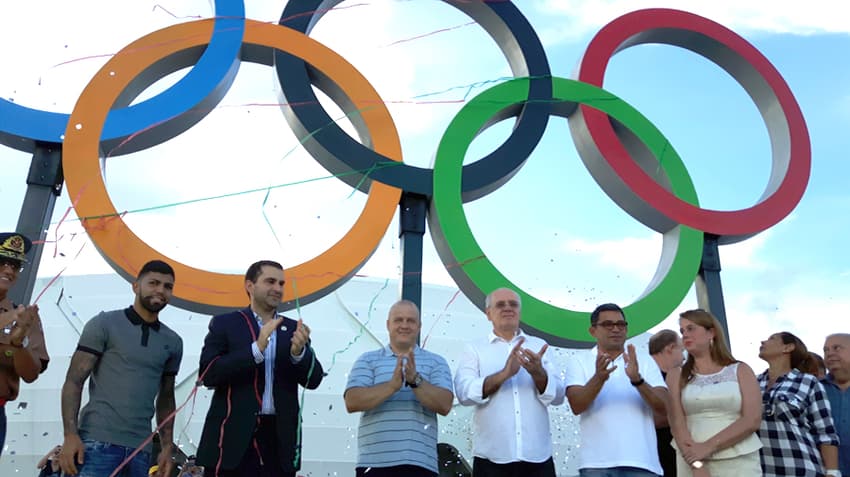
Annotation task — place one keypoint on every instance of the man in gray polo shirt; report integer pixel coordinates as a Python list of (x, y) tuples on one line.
[(132, 358), (400, 389)]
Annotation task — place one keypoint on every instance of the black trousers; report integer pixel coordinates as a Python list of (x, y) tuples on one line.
[(485, 468), (267, 463), (395, 471)]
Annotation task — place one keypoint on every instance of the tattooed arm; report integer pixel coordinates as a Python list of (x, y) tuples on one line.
[(165, 406), (81, 367)]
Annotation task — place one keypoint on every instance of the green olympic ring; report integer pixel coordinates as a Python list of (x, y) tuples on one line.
[(476, 275)]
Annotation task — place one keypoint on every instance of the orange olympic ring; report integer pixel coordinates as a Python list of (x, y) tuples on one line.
[(203, 290)]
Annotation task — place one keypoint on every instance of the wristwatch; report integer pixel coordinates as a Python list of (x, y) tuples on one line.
[(833, 473), (417, 380)]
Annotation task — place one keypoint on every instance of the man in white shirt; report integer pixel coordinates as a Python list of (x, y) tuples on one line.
[(510, 382), (615, 392)]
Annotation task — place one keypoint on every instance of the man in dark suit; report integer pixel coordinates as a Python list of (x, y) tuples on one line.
[(255, 360)]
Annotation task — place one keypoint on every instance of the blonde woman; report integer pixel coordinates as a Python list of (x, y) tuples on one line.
[(715, 407)]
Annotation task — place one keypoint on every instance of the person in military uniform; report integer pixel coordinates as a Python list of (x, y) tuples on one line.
[(23, 354)]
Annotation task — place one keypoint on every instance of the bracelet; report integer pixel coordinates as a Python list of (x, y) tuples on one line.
[(697, 464), (638, 382), (833, 472)]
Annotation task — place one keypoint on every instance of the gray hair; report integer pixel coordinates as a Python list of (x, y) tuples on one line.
[(489, 298), (843, 336)]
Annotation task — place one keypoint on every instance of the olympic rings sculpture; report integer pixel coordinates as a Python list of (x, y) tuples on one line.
[(635, 165)]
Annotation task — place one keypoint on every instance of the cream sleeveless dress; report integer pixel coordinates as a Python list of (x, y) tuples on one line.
[(712, 402)]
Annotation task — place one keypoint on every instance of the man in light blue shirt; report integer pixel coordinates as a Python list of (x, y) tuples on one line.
[(400, 388), (836, 354)]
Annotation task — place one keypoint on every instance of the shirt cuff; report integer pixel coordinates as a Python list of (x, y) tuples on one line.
[(476, 391), (258, 355), (297, 359), (551, 392)]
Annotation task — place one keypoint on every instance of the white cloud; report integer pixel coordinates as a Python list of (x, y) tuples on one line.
[(639, 255), (744, 254), (809, 313), (634, 255), (575, 18)]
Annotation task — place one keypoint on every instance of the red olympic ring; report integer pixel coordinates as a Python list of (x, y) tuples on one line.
[(641, 195)]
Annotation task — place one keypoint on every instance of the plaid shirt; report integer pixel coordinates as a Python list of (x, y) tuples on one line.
[(796, 420)]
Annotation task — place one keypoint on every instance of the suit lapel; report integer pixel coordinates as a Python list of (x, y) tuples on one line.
[(252, 321)]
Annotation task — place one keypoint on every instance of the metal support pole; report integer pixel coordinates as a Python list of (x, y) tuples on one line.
[(708, 286), (413, 208), (44, 185)]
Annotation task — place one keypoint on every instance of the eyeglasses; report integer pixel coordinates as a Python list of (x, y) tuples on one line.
[(13, 264), (610, 325), (507, 304)]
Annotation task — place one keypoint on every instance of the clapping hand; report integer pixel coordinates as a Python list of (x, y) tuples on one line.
[(533, 362), (398, 373), (299, 338), (604, 368), (20, 320), (632, 368), (514, 361), (410, 368), (266, 331)]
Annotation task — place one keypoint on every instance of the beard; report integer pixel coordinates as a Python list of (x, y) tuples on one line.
[(146, 302)]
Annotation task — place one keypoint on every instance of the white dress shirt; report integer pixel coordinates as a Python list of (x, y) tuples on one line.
[(268, 357), (617, 430), (512, 424)]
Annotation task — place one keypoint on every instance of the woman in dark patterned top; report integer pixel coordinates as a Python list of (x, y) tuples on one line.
[(797, 431)]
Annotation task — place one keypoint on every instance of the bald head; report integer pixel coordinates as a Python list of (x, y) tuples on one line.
[(404, 304), (667, 350), (844, 337), (836, 355)]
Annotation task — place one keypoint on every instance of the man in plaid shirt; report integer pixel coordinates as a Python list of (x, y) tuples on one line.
[(797, 430)]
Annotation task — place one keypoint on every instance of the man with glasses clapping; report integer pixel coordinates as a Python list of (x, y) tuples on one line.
[(612, 388), (509, 379)]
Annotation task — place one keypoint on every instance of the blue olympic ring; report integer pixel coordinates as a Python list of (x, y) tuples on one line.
[(157, 119), (341, 154)]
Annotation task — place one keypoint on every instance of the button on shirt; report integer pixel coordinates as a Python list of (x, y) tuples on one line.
[(512, 424), (268, 356), (839, 403)]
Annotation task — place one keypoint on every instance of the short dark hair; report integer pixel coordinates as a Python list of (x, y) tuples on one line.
[(256, 269), (594, 315), (661, 340), (155, 266)]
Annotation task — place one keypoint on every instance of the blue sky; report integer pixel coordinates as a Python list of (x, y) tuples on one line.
[(551, 228)]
